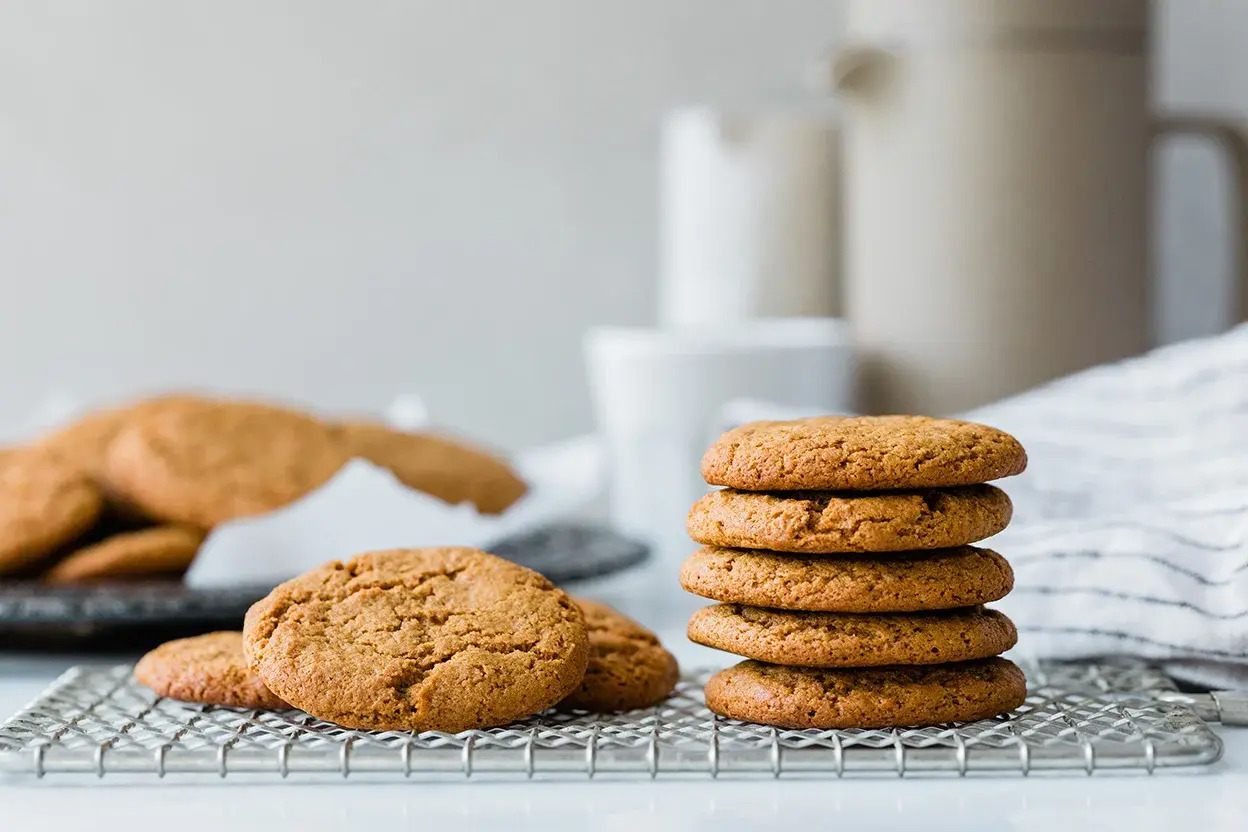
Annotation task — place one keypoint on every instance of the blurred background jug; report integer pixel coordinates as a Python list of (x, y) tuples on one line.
[(997, 176)]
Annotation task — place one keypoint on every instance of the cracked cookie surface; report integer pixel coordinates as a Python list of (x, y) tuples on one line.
[(628, 667), (826, 522), (884, 697), (861, 453), (826, 639), (941, 579), (443, 639), (209, 669)]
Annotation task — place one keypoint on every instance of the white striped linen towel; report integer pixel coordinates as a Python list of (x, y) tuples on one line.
[(1130, 530)]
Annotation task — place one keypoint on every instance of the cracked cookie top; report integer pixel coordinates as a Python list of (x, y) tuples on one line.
[(826, 523), (861, 453), (443, 639)]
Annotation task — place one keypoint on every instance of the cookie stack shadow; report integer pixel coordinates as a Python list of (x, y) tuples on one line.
[(838, 550)]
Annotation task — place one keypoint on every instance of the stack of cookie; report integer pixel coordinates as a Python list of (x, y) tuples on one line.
[(839, 552), (130, 492)]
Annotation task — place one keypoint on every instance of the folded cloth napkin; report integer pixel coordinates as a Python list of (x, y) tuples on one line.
[(1130, 530)]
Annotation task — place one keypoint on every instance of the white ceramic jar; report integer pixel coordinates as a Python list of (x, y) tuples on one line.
[(997, 186)]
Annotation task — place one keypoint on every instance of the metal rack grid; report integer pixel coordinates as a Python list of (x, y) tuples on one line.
[(1078, 718)]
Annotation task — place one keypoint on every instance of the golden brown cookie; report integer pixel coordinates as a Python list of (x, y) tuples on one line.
[(436, 465), (418, 639), (884, 697), (861, 453), (162, 550), (206, 464), (83, 443), (817, 522), (829, 639), (628, 667), (207, 669), (941, 579), (43, 505)]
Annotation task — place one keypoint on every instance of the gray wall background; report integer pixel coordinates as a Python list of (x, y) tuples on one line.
[(334, 202)]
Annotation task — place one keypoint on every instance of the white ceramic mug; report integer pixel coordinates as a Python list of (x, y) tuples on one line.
[(657, 396)]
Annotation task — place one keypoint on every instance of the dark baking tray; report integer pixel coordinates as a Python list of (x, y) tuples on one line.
[(39, 616)]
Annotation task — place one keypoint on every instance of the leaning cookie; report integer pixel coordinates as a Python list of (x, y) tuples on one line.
[(628, 668), (450, 470), (83, 443), (207, 669), (825, 523), (881, 697), (202, 465), (826, 639), (159, 551), (442, 639)]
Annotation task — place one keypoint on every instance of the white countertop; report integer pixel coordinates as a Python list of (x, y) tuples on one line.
[(1211, 802), (1214, 800)]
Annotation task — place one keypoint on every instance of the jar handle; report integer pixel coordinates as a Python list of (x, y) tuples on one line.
[(850, 68), (1233, 141)]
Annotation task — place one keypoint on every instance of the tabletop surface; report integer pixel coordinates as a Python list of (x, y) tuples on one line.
[(1214, 799)]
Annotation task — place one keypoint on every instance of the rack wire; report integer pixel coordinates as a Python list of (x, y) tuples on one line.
[(1082, 718)]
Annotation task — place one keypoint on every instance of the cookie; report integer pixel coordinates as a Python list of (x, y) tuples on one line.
[(628, 667), (43, 505), (449, 470), (203, 465), (162, 550), (861, 453), (83, 443), (207, 669), (418, 640), (942, 579), (885, 697), (829, 639), (818, 522)]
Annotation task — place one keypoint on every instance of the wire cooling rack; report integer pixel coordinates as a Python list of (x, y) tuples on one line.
[(1078, 718)]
